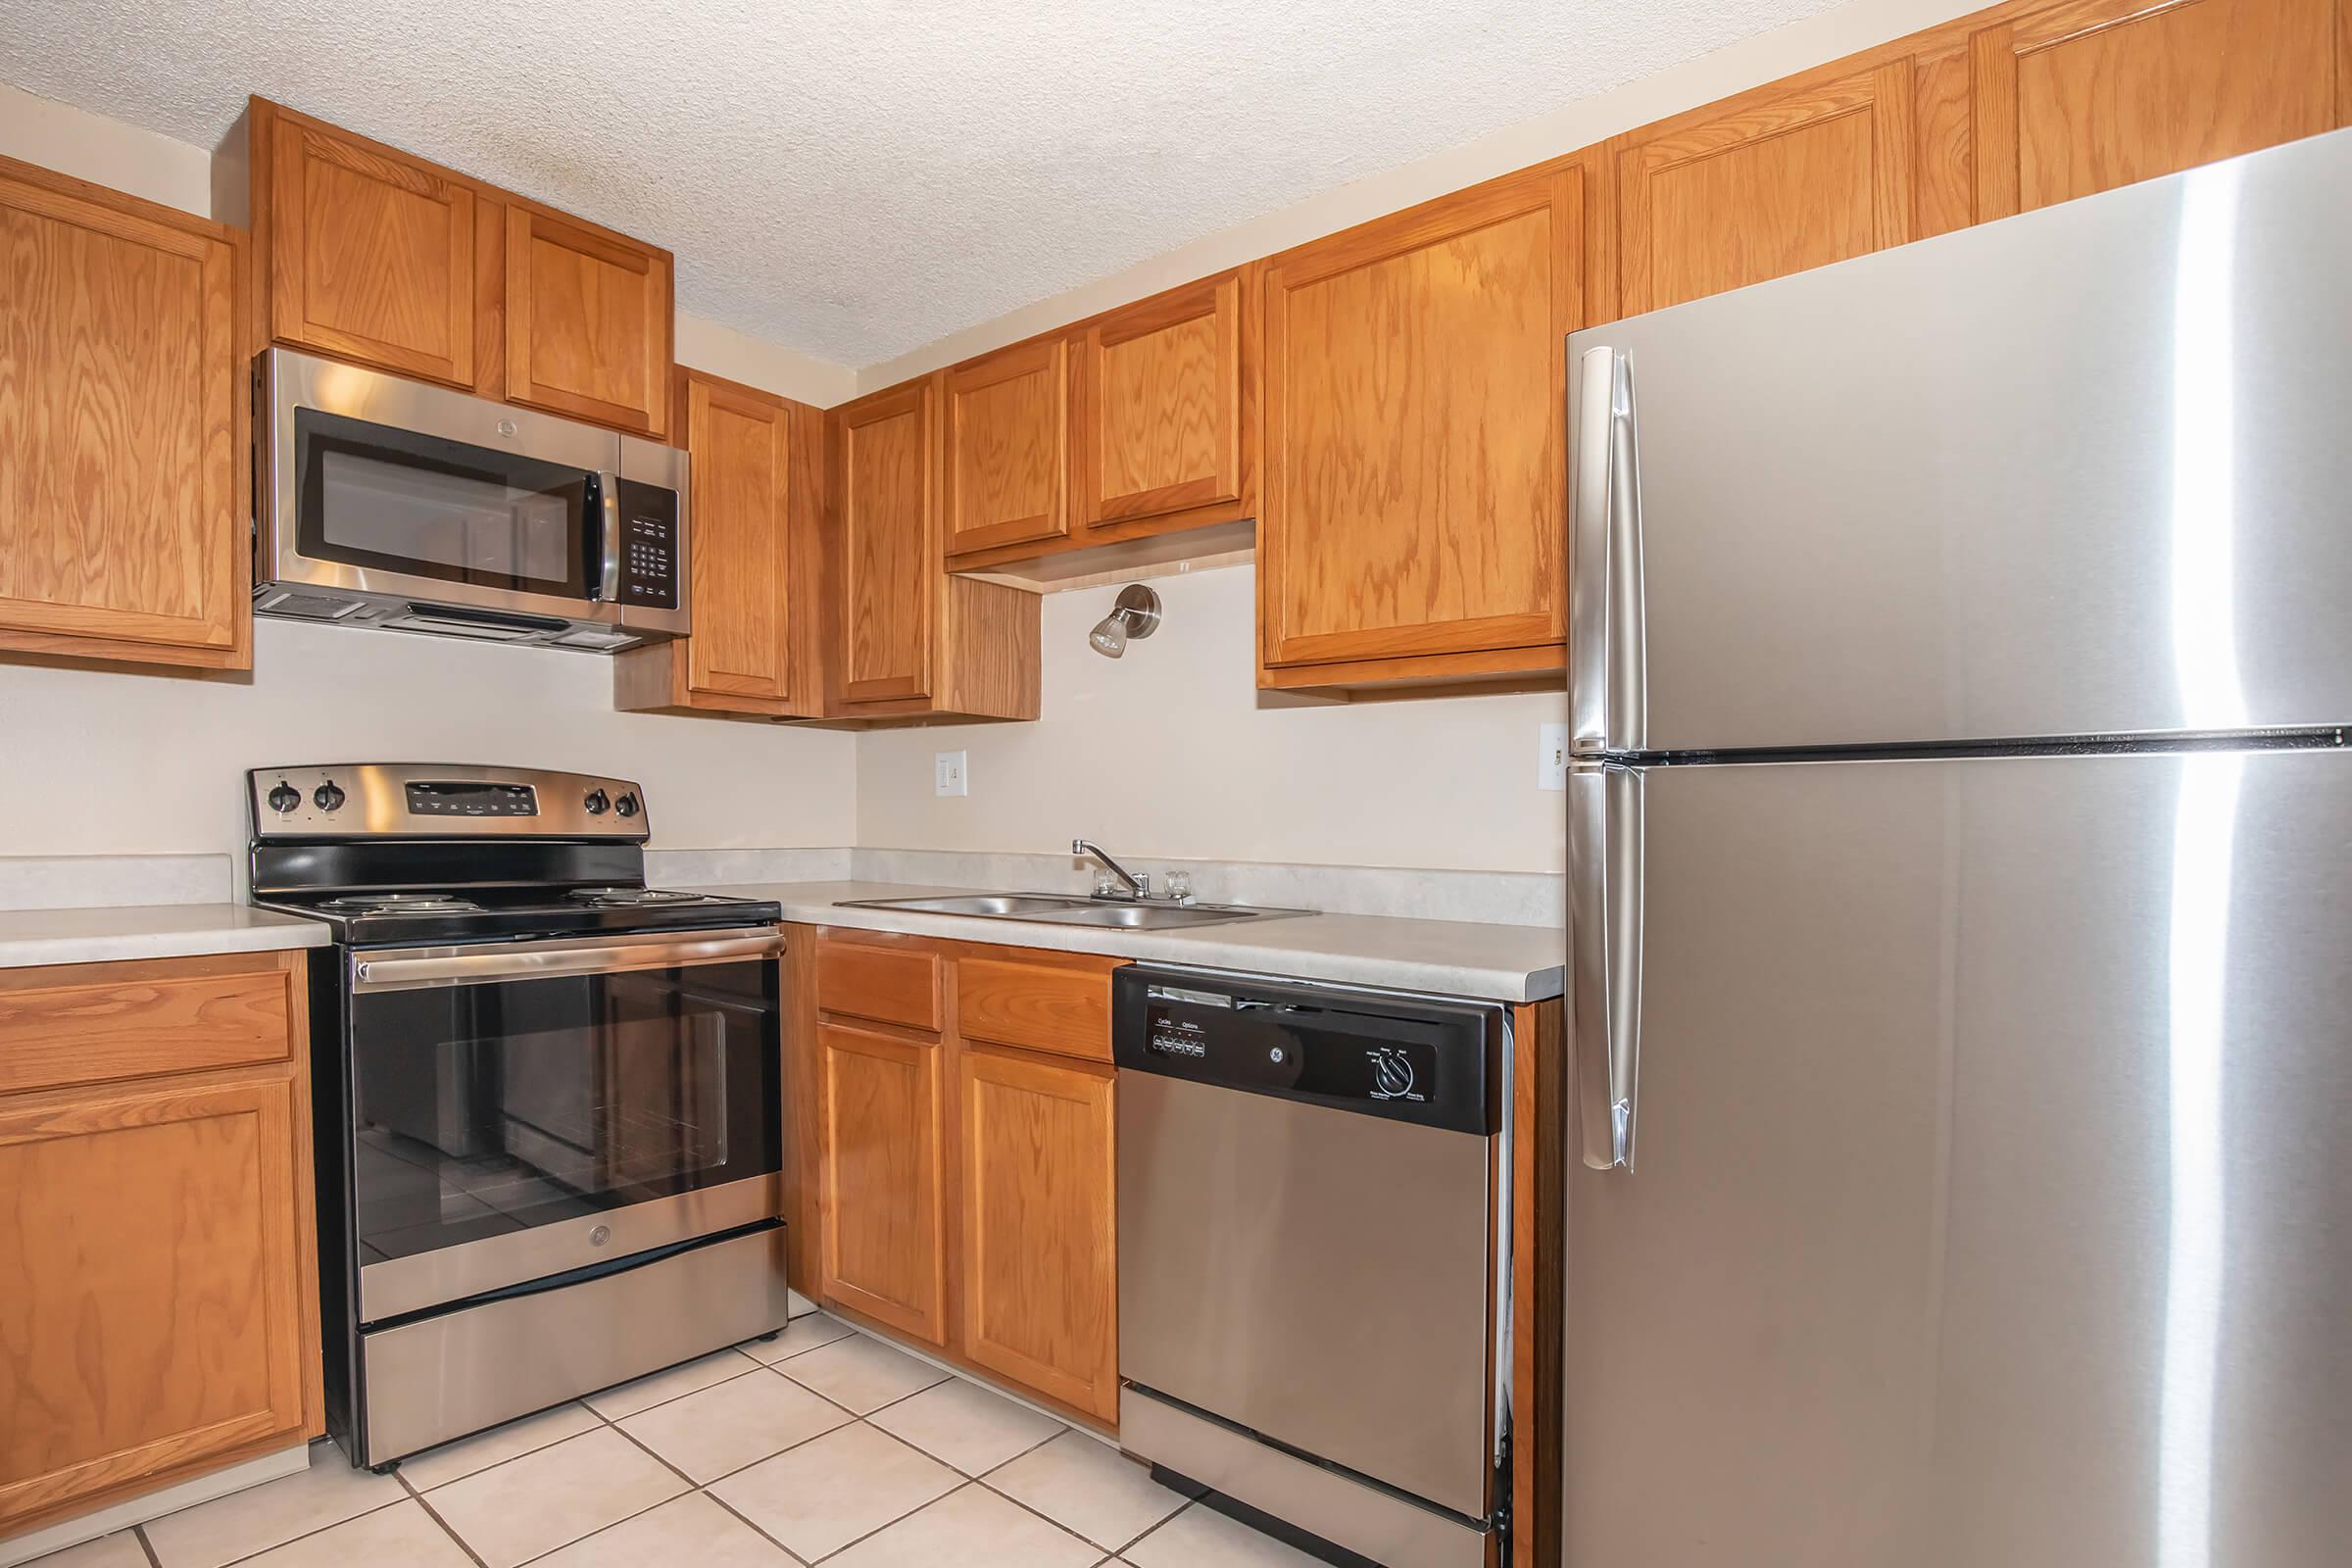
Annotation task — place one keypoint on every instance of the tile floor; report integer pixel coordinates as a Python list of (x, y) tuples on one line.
[(823, 1446)]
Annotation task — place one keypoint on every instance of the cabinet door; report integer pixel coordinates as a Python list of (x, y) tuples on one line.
[(372, 254), (884, 1242), (739, 445), (1039, 1201), (588, 323), (889, 562), (1156, 407), (1006, 423), (151, 1295), (124, 509), (2083, 97), (1413, 464), (1765, 187)]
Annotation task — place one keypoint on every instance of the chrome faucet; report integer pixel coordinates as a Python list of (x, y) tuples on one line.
[(1138, 887)]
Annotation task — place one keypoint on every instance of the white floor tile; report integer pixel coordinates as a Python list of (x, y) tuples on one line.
[(1084, 1484), (728, 1425), (439, 1466), (243, 1523), (826, 1494), (691, 1532), (121, 1550), (627, 1399), (1202, 1538), (973, 1528), (803, 1334), (797, 1306), (513, 1512), (403, 1536), (966, 1425), (860, 1373)]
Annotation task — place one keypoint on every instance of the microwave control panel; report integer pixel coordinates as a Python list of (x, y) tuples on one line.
[(650, 564)]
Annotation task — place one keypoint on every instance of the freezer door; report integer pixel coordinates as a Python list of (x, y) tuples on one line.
[(2080, 472), (1994, 1205)]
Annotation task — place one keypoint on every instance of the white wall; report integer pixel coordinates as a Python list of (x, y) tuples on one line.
[(98, 761), (1166, 753)]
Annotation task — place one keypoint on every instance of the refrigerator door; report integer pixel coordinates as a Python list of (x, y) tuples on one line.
[(2079, 471), (1993, 1207)]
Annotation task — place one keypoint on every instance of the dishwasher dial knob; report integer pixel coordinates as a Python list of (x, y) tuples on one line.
[(284, 797), (326, 796), (1392, 1076)]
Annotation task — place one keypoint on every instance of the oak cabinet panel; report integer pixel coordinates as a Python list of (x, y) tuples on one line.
[(124, 496), (2081, 98), (588, 323), (1157, 409), (1413, 498), (1037, 1001), (888, 563), (885, 1237), (886, 981), (1767, 187), (1040, 1284), (72, 1025), (1004, 469)]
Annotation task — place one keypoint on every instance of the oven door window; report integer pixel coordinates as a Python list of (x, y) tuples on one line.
[(390, 499), (487, 1111)]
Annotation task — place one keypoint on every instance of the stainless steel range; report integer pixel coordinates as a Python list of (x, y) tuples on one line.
[(547, 1128)]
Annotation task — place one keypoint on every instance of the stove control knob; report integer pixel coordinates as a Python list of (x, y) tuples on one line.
[(626, 805), (284, 797), (326, 796), (596, 802)]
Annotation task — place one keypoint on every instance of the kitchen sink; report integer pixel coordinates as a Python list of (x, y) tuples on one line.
[(1060, 908)]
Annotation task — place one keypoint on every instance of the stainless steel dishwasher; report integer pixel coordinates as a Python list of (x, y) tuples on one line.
[(1314, 1254)]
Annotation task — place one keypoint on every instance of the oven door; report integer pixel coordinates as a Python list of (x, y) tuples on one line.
[(522, 1109)]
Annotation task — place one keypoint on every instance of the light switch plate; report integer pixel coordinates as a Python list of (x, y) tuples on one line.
[(1551, 756), (947, 776)]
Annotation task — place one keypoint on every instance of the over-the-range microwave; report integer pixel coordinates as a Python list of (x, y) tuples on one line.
[(385, 502)]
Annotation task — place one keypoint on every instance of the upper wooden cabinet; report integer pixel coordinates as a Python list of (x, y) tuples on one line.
[(1768, 183), (125, 501), (1157, 410), (754, 503), (369, 254), (1411, 527), (1005, 467), (2079, 98), (908, 640)]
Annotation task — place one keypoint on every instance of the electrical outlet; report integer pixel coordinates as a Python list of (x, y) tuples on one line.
[(1551, 756), (947, 776)]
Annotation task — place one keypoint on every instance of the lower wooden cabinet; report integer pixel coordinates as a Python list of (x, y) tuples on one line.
[(964, 1188), (158, 1282)]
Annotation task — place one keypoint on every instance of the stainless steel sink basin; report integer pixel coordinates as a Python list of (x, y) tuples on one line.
[(1060, 908)]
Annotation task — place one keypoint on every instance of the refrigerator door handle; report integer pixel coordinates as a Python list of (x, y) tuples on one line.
[(1608, 696), (1604, 955)]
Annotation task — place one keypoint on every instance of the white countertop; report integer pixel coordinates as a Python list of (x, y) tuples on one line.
[(1449, 958), (148, 931)]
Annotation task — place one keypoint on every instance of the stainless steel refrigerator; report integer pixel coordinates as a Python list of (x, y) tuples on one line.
[(1960, 854)]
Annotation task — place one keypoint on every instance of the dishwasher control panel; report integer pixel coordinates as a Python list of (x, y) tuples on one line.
[(1419, 1059)]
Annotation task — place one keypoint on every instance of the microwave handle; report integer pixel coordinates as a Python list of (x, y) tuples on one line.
[(608, 504)]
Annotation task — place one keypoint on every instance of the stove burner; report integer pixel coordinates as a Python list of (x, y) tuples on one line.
[(629, 895), (401, 903)]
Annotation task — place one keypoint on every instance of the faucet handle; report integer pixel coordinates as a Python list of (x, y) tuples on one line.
[(1180, 887)]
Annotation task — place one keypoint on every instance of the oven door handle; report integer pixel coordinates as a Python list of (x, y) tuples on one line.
[(370, 975)]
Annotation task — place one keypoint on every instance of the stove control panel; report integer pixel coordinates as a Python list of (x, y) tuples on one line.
[(440, 801)]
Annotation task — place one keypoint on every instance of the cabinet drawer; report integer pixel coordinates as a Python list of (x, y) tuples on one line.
[(887, 984), (1035, 1004), (98, 1022)]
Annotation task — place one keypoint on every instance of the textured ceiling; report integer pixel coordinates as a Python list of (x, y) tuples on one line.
[(855, 179)]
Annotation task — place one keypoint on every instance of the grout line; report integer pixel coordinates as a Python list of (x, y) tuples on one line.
[(447, 1529), (139, 1533), (1193, 1502), (306, 1533), (901, 1519), (691, 1485), (754, 1527), (400, 1465)]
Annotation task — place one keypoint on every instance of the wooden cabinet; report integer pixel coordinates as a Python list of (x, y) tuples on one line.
[(1040, 1224), (1411, 527), (157, 1276), (1003, 468), (907, 639), (125, 503), (1767, 184), (373, 255), (964, 1184), (752, 543), (2079, 98), (1158, 411)]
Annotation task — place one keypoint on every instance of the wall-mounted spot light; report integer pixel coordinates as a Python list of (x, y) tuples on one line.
[(1135, 614)]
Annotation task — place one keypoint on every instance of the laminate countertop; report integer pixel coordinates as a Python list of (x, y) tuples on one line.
[(1447, 958), (109, 933)]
